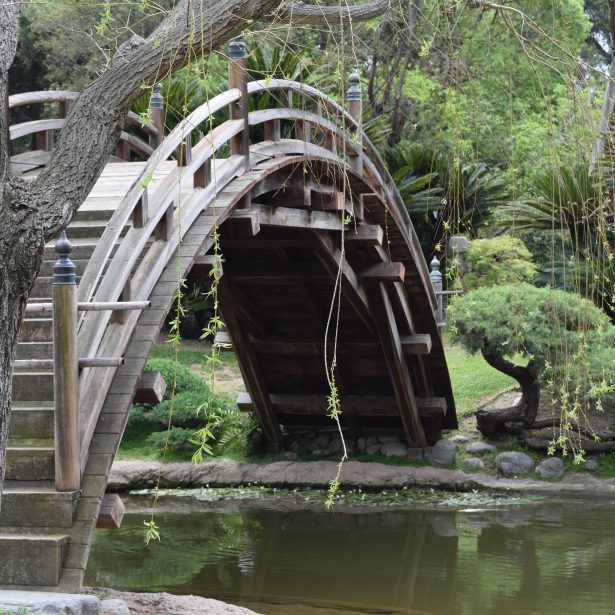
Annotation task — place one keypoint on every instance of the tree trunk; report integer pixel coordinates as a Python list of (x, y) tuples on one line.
[(491, 423)]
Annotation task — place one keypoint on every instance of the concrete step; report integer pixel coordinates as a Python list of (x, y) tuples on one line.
[(42, 287), (33, 385), (31, 422), (30, 463), (29, 505), (35, 350), (36, 330), (47, 266), (32, 560)]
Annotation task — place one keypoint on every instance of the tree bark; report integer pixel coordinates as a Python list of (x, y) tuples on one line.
[(33, 213), (491, 423)]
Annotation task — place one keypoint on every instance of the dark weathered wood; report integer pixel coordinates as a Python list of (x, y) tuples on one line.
[(251, 368), (151, 388), (396, 363), (359, 405), (164, 228), (141, 212), (120, 316), (384, 272), (111, 512), (202, 176)]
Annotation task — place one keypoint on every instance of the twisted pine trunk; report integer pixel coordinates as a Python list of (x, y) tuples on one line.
[(490, 423)]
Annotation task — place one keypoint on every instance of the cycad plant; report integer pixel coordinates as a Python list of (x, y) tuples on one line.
[(575, 211)]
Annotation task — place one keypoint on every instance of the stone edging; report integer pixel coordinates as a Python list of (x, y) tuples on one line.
[(128, 475)]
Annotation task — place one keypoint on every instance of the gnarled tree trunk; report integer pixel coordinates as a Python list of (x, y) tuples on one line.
[(491, 422)]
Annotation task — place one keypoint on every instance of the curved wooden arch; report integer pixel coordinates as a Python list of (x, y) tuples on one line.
[(283, 209)]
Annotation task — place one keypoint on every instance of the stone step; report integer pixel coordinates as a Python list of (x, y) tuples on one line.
[(46, 269), (31, 560), (103, 215), (33, 385), (27, 505), (35, 350), (36, 330), (42, 287), (82, 250), (30, 422), (30, 462)]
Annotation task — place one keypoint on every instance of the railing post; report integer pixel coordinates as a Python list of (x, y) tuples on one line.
[(156, 105), (66, 370), (355, 108), (237, 78), (436, 281)]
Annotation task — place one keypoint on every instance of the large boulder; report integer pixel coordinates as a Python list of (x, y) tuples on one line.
[(443, 454), (553, 467), (46, 603), (512, 463)]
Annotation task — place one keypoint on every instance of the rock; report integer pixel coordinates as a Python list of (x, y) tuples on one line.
[(371, 440), (460, 439), (473, 463), (443, 454), (372, 449), (322, 440), (553, 467), (394, 449), (114, 607), (44, 603), (480, 448), (591, 464), (387, 439), (415, 453), (512, 463), (336, 446), (318, 451), (361, 443), (290, 455)]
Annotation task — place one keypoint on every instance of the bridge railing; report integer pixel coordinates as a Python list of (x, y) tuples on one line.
[(43, 130), (155, 214)]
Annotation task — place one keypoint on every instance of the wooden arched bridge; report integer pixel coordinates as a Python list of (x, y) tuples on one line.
[(304, 206)]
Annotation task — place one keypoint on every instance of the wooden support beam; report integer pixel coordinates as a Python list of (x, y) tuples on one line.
[(251, 371), (164, 228), (358, 405), (243, 224), (237, 303), (120, 316), (290, 217), (277, 272), (140, 213), (151, 388), (364, 234), (384, 272), (384, 317), (332, 259), (111, 512), (202, 176)]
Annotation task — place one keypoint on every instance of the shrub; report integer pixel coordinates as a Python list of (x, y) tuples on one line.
[(185, 380), (500, 260), (540, 336)]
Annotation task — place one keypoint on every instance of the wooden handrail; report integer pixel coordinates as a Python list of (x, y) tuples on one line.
[(41, 97)]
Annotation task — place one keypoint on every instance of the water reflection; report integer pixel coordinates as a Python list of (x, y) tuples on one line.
[(523, 560)]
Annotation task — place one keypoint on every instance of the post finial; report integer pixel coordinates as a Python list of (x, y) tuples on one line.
[(156, 100), (237, 49), (354, 89), (64, 270), (436, 274)]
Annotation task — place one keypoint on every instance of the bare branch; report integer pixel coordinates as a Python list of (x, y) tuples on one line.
[(303, 14)]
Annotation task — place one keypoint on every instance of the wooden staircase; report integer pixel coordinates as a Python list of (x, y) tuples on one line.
[(35, 516)]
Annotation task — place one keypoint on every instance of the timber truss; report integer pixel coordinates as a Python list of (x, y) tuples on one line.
[(320, 263)]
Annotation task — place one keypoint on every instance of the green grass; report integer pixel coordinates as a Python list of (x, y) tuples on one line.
[(473, 379), (191, 356)]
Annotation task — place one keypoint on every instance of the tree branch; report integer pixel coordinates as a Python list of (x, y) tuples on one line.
[(303, 14), (192, 29)]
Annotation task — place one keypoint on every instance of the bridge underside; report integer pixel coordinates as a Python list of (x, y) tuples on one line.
[(310, 279)]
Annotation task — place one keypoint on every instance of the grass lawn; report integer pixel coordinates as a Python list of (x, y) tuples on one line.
[(473, 379)]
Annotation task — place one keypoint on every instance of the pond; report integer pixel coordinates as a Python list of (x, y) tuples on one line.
[(290, 557)]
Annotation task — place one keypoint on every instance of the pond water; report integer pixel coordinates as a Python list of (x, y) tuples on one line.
[(285, 558)]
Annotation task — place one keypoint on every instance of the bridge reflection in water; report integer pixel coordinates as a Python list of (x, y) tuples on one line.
[(547, 559)]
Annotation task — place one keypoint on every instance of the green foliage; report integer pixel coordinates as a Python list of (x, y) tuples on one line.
[(499, 260), (193, 406), (565, 339)]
